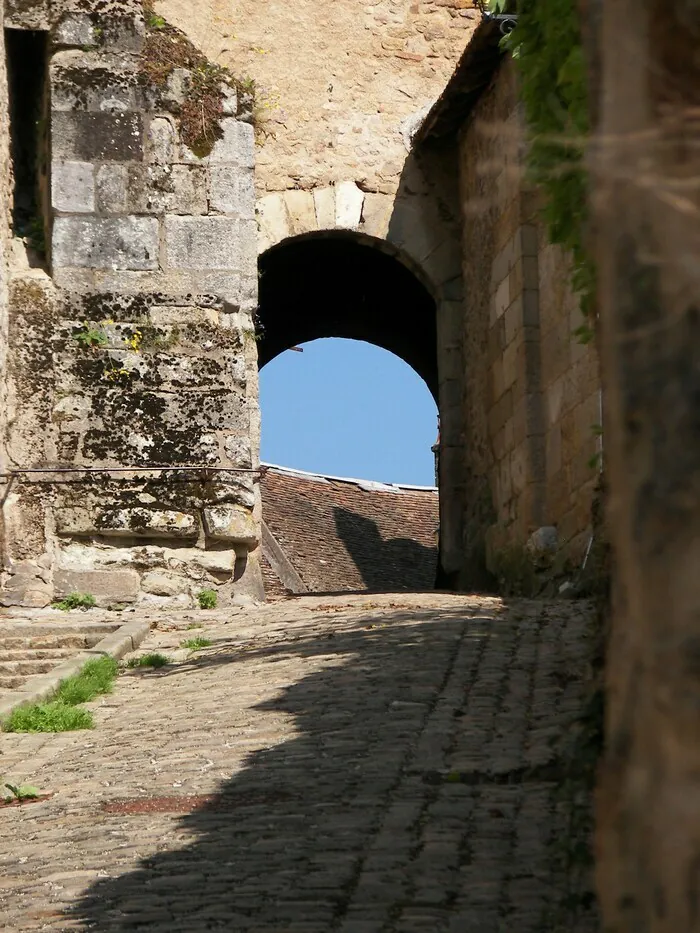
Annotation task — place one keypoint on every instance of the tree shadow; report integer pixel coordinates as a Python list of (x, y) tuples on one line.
[(386, 566)]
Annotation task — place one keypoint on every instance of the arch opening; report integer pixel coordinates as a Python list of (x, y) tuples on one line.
[(343, 285)]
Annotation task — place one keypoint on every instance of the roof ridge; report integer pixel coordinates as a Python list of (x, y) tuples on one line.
[(362, 483)]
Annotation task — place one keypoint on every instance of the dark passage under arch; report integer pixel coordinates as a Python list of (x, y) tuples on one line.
[(343, 285)]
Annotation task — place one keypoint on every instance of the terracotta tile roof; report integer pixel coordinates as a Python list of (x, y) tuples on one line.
[(343, 534), (273, 585)]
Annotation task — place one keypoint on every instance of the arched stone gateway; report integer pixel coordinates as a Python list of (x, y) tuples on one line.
[(141, 203), (383, 268), (345, 283)]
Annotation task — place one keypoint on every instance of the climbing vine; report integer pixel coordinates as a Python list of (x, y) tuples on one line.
[(546, 44)]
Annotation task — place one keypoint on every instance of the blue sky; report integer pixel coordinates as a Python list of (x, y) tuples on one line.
[(348, 408)]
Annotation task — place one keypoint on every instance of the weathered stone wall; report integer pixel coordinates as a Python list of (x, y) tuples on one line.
[(338, 81), (137, 352), (571, 389), (4, 262), (530, 388)]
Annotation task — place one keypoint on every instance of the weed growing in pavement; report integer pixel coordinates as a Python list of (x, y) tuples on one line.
[(194, 644), (55, 716), (62, 712), (21, 792), (95, 678), (153, 659)]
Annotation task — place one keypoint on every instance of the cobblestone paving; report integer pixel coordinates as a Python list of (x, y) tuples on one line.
[(354, 764)]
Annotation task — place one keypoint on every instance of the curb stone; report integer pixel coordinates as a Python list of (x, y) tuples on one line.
[(38, 688)]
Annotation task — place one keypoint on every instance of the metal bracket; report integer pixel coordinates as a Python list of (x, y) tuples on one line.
[(506, 21)]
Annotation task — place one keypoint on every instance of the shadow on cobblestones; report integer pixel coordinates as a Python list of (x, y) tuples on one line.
[(367, 821)]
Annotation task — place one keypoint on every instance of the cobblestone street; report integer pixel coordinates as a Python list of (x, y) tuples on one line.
[(372, 764)]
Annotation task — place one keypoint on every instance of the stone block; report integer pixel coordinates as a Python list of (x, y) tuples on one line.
[(376, 215), (88, 137), (112, 180), (73, 187), (163, 583), (229, 105), (510, 364), (126, 32), (302, 213), (27, 14), (543, 540), (151, 523), (273, 221), (237, 144), (75, 29), (166, 316), (324, 205), (74, 521), (107, 586), (70, 409), (238, 450), (105, 243), (176, 88), (519, 468), (501, 300), (228, 523), (211, 561), (167, 189), (248, 248), (161, 139), (513, 318), (237, 488), (232, 191), (349, 201), (202, 243)]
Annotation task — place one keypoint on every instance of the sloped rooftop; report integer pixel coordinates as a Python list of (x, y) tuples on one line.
[(348, 534)]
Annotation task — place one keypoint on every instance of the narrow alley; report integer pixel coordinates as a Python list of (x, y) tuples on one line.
[(361, 764)]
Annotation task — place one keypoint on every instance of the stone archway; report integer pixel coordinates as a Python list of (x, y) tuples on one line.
[(347, 284), (420, 226)]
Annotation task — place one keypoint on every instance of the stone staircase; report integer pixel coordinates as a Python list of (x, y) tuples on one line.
[(36, 647)]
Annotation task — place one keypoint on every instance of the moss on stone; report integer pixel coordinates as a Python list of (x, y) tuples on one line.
[(167, 49)]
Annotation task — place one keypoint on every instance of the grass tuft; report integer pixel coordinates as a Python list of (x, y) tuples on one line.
[(207, 599), (62, 713), (194, 644), (154, 659), (76, 601), (21, 792), (55, 716), (95, 678)]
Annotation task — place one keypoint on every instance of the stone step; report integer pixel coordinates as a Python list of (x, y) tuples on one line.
[(36, 654), (11, 681), (49, 642), (29, 667), (54, 629)]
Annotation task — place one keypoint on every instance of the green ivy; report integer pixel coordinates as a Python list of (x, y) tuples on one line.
[(546, 44)]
